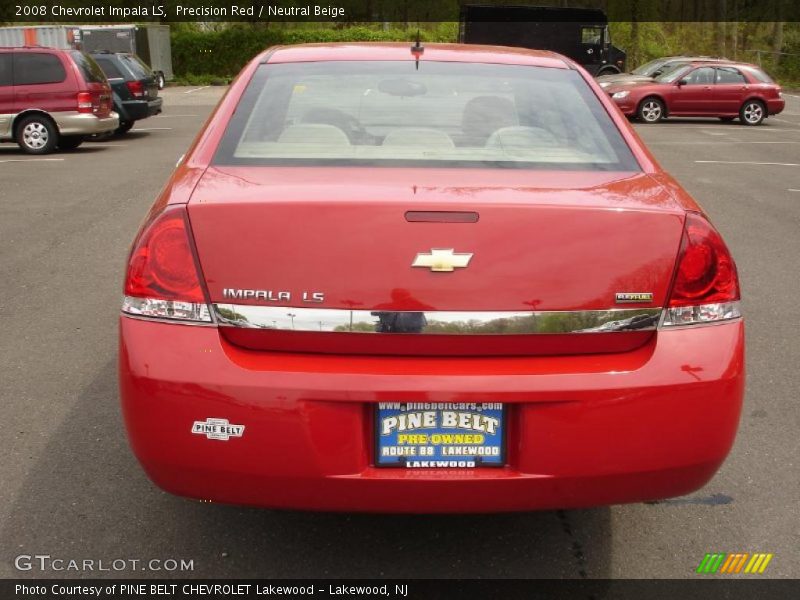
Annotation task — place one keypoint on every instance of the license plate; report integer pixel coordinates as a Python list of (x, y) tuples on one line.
[(431, 435)]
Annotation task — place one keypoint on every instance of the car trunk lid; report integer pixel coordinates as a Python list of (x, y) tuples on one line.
[(551, 247)]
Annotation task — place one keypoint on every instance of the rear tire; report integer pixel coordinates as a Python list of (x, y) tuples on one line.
[(37, 134), (651, 110), (124, 127), (70, 142), (753, 112)]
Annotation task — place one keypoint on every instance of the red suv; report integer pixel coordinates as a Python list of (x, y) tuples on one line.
[(52, 99), (724, 90)]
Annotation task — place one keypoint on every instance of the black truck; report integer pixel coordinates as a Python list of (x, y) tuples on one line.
[(579, 33)]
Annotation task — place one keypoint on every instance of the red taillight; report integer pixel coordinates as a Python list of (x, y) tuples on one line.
[(706, 272), (136, 88), (162, 264), (85, 102)]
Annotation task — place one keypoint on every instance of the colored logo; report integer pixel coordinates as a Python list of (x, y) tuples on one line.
[(741, 562), (442, 260)]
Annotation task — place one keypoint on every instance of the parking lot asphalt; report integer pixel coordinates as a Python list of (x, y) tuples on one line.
[(71, 488)]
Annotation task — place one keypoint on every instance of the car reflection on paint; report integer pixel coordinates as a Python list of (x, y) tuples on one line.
[(725, 90)]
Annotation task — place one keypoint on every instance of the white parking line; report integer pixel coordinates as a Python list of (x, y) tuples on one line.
[(728, 128), (153, 129), (196, 89), (728, 143), (784, 121), (792, 190), (19, 160), (745, 162)]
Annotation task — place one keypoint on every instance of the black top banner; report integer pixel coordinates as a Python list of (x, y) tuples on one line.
[(407, 11)]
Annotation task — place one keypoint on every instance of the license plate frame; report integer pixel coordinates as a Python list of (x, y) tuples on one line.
[(493, 442)]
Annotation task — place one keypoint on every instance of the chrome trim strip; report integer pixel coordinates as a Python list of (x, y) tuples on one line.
[(290, 318)]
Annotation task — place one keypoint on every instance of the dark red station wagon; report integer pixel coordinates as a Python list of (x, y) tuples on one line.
[(52, 98), (726, 91)]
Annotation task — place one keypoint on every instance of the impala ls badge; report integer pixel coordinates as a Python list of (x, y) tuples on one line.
[(442, 260)]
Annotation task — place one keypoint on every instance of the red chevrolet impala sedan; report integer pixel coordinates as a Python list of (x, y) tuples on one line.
[(724, 90), (440, 279)]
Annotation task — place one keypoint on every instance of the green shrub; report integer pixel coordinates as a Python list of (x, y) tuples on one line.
[(224, 52), (202, 57)]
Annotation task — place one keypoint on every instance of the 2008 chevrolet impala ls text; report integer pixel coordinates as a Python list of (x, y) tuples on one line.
[(442, 279)]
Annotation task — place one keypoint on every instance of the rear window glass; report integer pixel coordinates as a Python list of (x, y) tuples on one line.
[(88, 67), (442, 114), (728, 75), (5, 69), (136, 66), (32, 68), (758, 74), (109, 68)]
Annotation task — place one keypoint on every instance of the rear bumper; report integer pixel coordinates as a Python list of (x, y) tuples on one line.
[(141, 109), (75, 123), (775, 106), (582, 430)]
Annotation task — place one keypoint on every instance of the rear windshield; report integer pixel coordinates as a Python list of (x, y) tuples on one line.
[(440, 114), (89, 69), (136, 66), (109, 68)]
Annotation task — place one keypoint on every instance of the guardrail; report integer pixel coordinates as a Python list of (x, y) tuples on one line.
[(770, 53)]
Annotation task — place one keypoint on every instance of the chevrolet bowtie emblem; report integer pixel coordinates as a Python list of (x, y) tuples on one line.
[(442, 259)]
